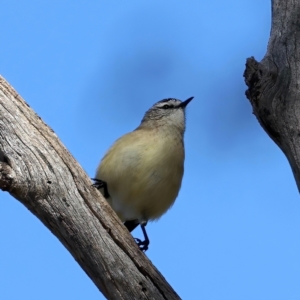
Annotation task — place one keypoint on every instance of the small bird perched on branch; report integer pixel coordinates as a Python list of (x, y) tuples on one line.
[(141, 174)]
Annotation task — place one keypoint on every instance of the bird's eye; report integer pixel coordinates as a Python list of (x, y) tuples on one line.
[(166, 106)]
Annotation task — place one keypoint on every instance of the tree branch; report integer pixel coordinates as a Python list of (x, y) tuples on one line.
[(273, 83), (37, 169)]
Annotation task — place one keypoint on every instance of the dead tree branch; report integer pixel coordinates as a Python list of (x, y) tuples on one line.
[(37, 169), (274, 83)]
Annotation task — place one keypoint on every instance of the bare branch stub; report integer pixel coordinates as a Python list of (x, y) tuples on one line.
[(37, 169), (261, 82), (273, 83)]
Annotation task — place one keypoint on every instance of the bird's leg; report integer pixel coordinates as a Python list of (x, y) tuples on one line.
[(99, 184), (143, 245), (132, 224)]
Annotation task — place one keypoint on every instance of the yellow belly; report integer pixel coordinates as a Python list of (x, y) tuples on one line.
[(143, 174)]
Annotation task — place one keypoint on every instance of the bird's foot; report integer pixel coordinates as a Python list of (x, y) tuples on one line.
[(100, 184), (143, 245)]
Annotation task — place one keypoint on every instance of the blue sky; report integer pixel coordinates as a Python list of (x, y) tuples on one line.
[(91, 69)]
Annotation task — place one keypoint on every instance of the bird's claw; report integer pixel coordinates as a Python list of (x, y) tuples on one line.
[(143, 245), (100, 184)]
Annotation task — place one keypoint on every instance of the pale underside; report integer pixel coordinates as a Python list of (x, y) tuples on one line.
[(143, 179)]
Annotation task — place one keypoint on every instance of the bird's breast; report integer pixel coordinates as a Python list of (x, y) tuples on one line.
[(143, 174)]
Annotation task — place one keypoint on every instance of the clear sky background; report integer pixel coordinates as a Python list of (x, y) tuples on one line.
[(91, 69)]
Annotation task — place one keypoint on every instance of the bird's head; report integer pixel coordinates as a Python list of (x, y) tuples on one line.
[(167, 112)]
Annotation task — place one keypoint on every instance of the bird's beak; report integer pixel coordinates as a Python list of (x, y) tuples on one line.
[(183, 104)]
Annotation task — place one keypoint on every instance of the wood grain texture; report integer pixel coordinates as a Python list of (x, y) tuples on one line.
[(37, 169), (273, 83)]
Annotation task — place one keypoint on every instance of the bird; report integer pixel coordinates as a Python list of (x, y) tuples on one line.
[(140, 175)]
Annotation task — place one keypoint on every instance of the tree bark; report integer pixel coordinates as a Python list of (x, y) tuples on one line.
[(273, 83), (37, 169)]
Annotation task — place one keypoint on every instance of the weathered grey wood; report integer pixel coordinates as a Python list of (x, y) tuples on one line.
[(37, 169), (274, 83)]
